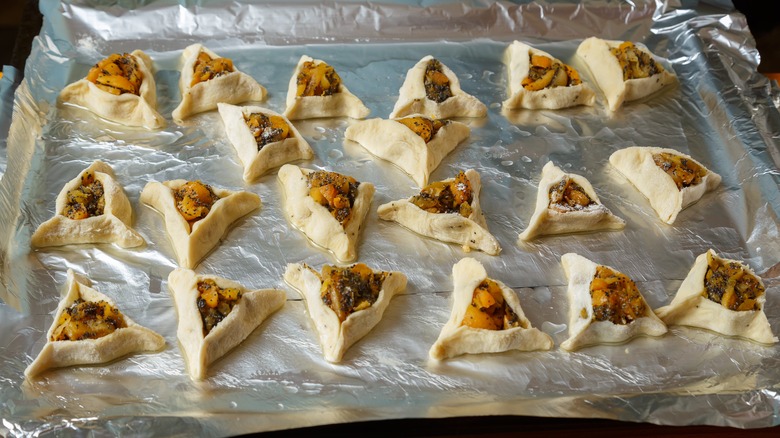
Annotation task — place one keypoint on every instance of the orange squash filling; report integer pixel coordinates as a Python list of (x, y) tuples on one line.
[(215, 303), (615, 297), (424, 127), (546, 73), (87, 320), (117, 74), (207, 68), (267, 129), (351, 289), (317, 80), (194, 200), (567, 196), (437, 84), (488, 310), (729, 284), (683, 171), (334, 191), (86, 200), (636, 63), (453, 196)]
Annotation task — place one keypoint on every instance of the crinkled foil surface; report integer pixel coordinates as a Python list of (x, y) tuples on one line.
[(723, 113)]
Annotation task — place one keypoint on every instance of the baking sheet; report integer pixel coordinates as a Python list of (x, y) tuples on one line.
[(721, 113)]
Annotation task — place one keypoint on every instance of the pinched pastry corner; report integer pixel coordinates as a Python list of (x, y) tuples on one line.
[(89, 329), (90, 208), (208, 79), (344, 303), (196, 214), (215, 315), (120, 88)]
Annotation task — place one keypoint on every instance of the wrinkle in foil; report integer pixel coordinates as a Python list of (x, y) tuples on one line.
[(720, 113)]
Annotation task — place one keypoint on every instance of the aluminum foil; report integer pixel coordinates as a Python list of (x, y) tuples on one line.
[(721, 113)]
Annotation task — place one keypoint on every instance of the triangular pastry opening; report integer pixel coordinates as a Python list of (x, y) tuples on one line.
[(433, 90), (328, 207), (721, 295), (90, 208), (215, 315), (446, 210), (119, 88), (623, 70), (567, 203), (90, 329), (415, 143), (605, 306), (262, 138), (316, 90), (196, 214), (537, 80), (486, 317), (669, 179), (344, 303), (208, 79)]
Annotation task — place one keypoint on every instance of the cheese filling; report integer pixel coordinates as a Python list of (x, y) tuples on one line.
[(684, 172), (546, 73), (215, 303), (194, 200), (729, 284), (636, 63), (437, 84), (567, 196), (334, 191), (488, 310), (117, 74), (87, 320), (423, 126), (351, 289), (86, 200), (317, 80), (207, 68), (267, 129), (615, 297), (453, 196)]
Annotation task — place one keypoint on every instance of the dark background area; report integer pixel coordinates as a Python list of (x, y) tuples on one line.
[(20, 21)]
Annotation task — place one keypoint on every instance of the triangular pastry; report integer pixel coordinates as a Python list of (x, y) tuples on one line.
[(89, 329), (670, 180), (316, 91), (432, 89), (537, 80), (91, 208), (215, 315), (120, 88), (721, 295), (207, 79), (197, 215), (448, 211), (623, 70), (328, 207), (344, 303), (567, 203), (263, 139), (605, 306), (415, 143), (486, 317)]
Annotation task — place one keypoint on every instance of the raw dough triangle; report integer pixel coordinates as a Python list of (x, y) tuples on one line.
[(271, 155), (337, 336), (584, 329), (608, 74), (342, 103), (233, 87), (191, 247), (548, 219), (121, 342), (113, 226), (200, 350), (127, 109), (456, 338), (398, 144), (314, 219), (470, 232), (691, 308), (412, 98), (638, 166), (551, 97)]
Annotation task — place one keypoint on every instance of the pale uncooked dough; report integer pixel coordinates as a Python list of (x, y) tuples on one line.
[(127, 109), (123, 341), (546, 220), (456, 339), (231, 88), (690, 308), (315, 221), (113, 226), (247, 314), (412, 98), (191, 247), (470, 232), (605, 69), (637, 165), (583, 329), (518, 62), (396, 143), (335, 336), (272, 155)]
